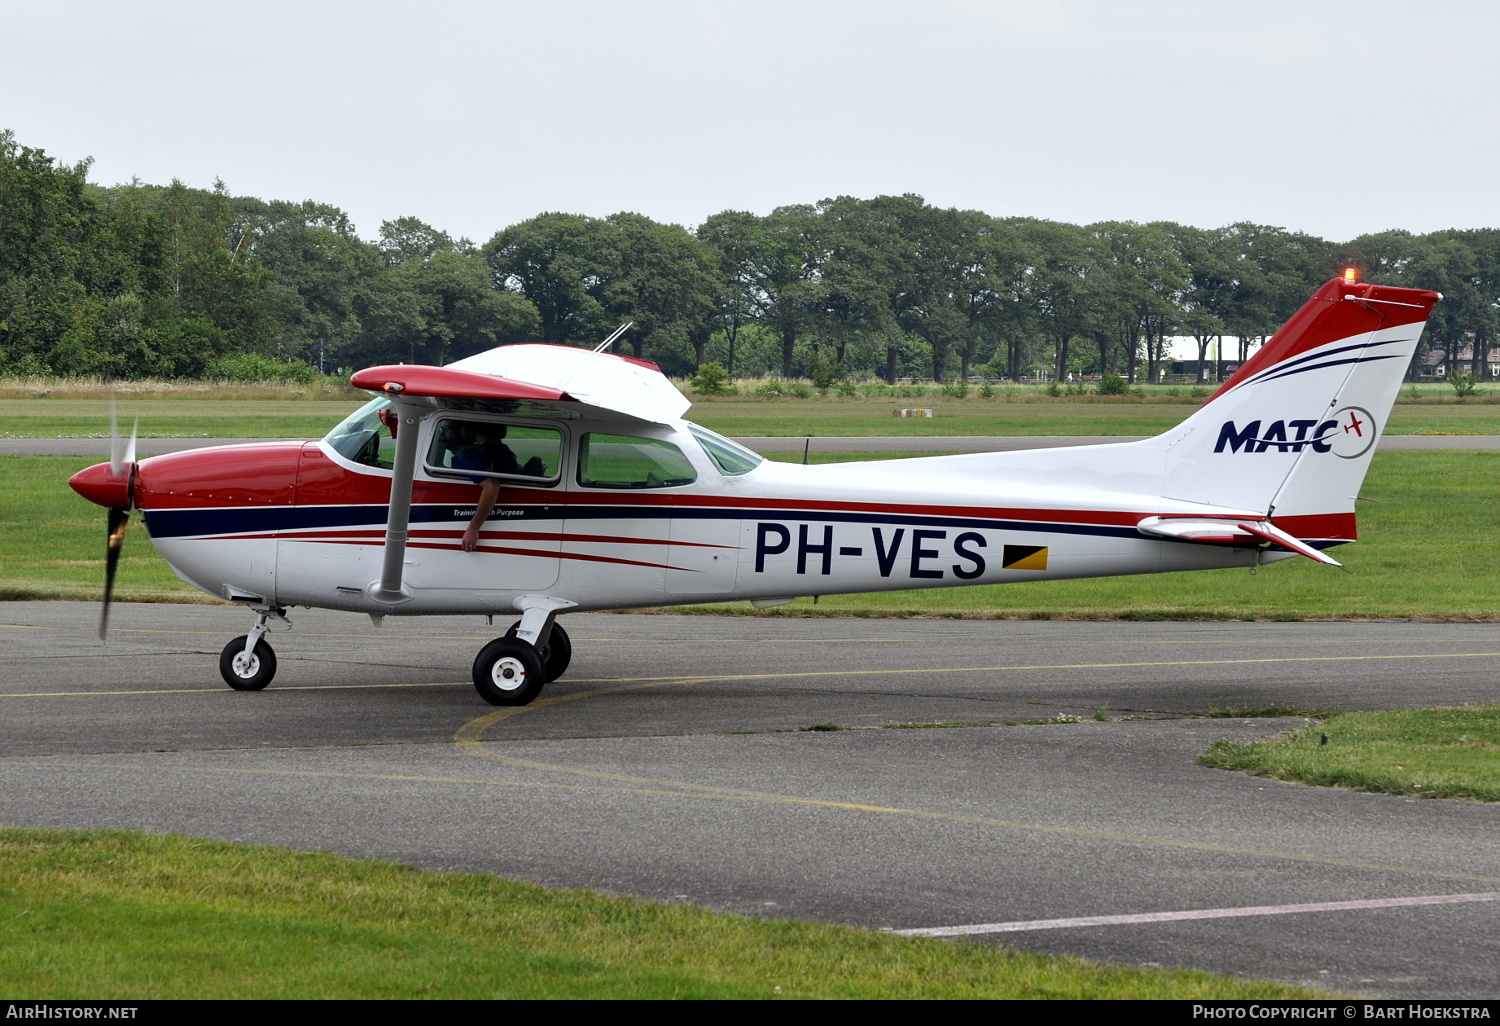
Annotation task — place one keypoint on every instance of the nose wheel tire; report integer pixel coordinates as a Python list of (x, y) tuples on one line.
[(247, 673), (556, 654), (508, 671)]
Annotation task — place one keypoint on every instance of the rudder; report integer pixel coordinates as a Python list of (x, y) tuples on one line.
[(1293, 431)]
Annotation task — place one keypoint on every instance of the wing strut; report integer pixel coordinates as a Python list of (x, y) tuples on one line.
[(389, 589)]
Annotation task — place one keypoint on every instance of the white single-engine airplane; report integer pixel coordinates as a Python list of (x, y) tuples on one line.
[(580, 487)]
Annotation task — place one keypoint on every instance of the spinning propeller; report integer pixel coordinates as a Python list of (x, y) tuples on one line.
[(111, 485), (121, 468)]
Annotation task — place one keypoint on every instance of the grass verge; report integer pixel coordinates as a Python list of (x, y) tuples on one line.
[(269, 412), (128, 915), (1429, 753), (52, 540), (1098, 416), (176, 418)]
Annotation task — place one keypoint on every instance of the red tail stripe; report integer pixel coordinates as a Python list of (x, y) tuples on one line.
[(505, 551), (1328, 317)]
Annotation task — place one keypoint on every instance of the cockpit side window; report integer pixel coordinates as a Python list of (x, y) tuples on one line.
[(627, 461), (481, 448)]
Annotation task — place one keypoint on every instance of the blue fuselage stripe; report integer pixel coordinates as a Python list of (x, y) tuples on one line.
[(179, 523)]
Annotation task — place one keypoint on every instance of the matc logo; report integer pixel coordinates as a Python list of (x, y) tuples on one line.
[(1348, 434)]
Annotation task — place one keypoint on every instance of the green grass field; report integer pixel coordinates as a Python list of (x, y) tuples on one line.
[(227, 416), (135, 916), (174, 418), (1428, 753), (1427, 525), (1081, 415)]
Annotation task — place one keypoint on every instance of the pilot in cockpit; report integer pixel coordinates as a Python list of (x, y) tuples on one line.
[(487, 452), (490, 454), (453, 437)]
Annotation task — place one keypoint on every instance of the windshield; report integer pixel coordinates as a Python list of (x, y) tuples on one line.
[(731, 458), (362, 438)]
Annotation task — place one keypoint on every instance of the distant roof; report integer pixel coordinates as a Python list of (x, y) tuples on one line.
[(1432, 357)]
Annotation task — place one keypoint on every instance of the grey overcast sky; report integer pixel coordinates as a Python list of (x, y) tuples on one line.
[(1331, 118)]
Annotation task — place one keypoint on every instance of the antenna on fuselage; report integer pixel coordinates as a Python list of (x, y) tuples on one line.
[(622, 329)]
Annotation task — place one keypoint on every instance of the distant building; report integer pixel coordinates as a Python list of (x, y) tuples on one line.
[(1216, 371), (1434, 363)]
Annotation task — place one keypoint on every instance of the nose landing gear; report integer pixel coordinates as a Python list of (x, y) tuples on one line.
[(247, 663), (246, 667)]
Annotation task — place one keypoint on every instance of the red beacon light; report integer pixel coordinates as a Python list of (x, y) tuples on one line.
[(1351, 275)]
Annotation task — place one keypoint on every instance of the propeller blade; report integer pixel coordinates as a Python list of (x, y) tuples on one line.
[(116, 456), (118, 519), (130, 446)]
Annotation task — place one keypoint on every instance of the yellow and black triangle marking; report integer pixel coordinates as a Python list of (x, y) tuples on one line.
[(1025, 557)]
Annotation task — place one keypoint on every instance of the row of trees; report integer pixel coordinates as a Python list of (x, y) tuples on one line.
[(142, 280), (139, 280)]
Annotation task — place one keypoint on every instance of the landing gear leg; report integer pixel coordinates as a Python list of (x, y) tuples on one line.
[(538, 625), (555, 653), (247, 663)]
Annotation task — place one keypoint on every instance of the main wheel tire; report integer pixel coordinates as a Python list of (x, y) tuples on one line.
[(556, 654), (508, 671), (244, 673)]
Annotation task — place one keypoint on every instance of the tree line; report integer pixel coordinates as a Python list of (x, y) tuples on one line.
[(140, 280)]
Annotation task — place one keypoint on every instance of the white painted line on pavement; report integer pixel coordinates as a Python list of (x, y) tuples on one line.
[(1200, 913)]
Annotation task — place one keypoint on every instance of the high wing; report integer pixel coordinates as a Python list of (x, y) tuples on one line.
[(533, 375), (561, 378)]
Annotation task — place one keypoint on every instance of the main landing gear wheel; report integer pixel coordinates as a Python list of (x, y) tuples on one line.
[(247, 672), (556, 654), (508, 671)]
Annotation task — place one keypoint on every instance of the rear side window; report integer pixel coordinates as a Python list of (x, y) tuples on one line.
[(625, 461), (487, 449)]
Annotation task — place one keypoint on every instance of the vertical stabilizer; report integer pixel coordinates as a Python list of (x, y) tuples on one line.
[(1293, 431)]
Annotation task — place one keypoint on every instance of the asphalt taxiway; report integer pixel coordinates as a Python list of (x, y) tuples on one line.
[(673, 762)]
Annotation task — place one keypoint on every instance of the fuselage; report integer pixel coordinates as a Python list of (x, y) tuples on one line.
[(302, 523)]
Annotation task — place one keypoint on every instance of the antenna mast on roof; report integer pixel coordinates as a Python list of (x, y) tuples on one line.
[(622, 329)]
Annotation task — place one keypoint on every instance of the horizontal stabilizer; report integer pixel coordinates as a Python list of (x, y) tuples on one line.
[(1267, 531), (1231, 531)]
